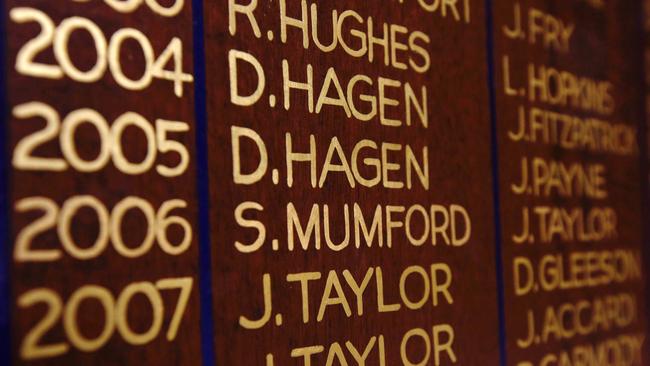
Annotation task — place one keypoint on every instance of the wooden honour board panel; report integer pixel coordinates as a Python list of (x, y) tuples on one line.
[(279, 77), (569, 118), (89, 206), (328, 198)]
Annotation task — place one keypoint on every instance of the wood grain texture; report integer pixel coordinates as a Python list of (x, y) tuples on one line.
[(459, 150), (604, 46), (109, 185)]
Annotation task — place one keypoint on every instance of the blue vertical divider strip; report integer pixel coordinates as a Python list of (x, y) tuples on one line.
[(5, 251), (489, 24), (205, 272)]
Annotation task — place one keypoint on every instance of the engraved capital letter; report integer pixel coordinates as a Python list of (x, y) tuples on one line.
[(246, 323)]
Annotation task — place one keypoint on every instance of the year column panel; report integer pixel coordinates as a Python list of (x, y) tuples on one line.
[(102, 183)]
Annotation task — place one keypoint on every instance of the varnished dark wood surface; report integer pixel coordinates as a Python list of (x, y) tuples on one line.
[(603, 47), (459, 163), (109, 185)]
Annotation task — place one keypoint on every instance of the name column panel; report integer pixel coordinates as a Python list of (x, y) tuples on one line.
[(103, 201), (349, 158), (569, 111)]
